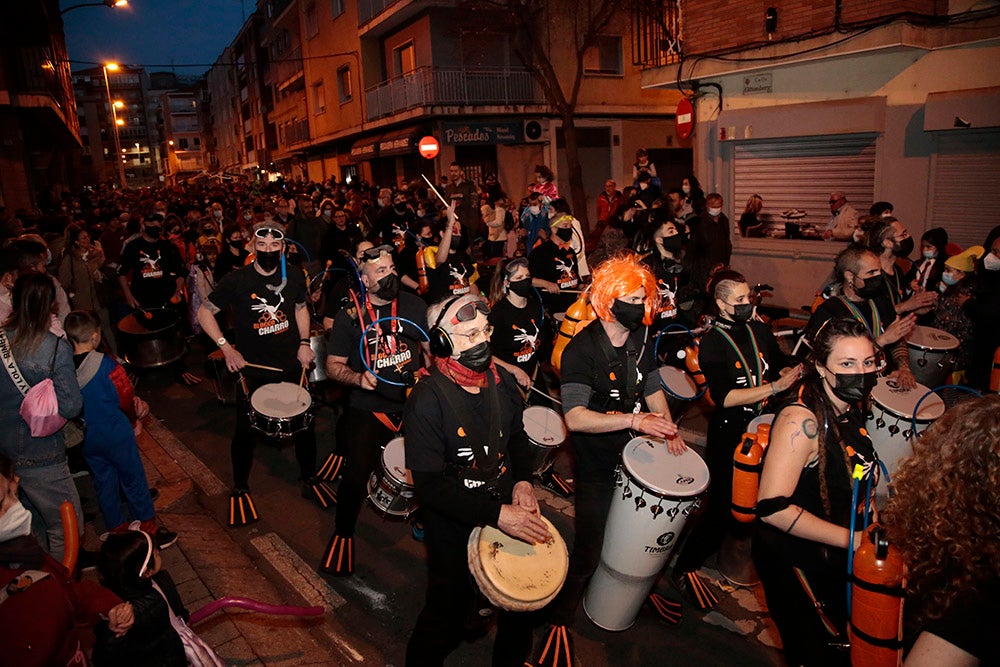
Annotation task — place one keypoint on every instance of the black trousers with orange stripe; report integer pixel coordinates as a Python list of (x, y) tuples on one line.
[(361, 435)]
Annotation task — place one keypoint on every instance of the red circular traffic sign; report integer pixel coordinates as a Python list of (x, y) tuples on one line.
[(429, 147), (684, 118)]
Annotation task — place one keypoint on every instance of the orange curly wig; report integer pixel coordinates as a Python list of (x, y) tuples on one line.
[(945, 516), (620, 275)]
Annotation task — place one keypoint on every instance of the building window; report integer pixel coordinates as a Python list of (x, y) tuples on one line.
[(404, 59), (184, 143), (336, 8), (344, 84), (312, 25), (318, 98), (197, 142), (605, 57)]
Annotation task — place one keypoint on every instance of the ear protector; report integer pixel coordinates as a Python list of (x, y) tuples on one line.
[(439, 341)]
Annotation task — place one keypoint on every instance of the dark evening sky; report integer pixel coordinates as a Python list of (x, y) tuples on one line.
[(154, 33)]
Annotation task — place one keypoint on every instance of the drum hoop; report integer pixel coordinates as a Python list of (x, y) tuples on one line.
[(563, 431), (943, 350), (308, 408), (895, 413), (664, 495)]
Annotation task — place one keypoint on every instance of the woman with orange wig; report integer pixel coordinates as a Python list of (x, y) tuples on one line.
[(610, 392), (945, 519)]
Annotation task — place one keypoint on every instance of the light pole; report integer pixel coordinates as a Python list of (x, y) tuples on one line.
[(105, 3), (115, 122)]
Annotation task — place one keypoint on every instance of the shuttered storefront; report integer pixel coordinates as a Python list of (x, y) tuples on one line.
[(964, 197), (801, 172)]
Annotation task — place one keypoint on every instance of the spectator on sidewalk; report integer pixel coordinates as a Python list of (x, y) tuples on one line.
[(535, 221), (843, 220), (109, 444)]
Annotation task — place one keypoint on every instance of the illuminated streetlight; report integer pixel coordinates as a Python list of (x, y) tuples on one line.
[(115, 120), (105, 3)]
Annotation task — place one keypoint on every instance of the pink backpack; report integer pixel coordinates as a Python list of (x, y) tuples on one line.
[(40, 407)]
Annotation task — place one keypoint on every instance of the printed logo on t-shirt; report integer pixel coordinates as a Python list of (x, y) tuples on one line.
[(668, 303), (272, 319), (398, 237), (459, 279), (150, 266), (386, 357), (568, 278), (529, 343)]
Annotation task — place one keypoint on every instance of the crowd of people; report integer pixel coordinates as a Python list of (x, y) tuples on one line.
[(437, 311)]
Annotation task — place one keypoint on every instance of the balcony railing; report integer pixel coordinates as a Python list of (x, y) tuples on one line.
[(657, 33), (370, 8), (35, 71), (428, 86)]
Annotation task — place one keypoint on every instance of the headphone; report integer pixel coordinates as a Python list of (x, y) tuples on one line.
[(438, 339)]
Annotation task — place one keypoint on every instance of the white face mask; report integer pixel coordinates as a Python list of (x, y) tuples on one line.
[(217, 215), (535, 210), (686, 189), (15, 522), (715, 212), (991, 262), (930, 254), (886, 214)]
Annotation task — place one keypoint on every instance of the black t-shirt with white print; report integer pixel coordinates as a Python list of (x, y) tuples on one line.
[(518, 333), (263, 318), (452, 278), (153, 268)]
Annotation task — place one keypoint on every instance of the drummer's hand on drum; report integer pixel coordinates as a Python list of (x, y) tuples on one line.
[(675, 445), (654, 424), (898, 330), (132, 301), (234, 360), (904, 378), (305, 355), (524, 496), (919, 301), (523, 524)]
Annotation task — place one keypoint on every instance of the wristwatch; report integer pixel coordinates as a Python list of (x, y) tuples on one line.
[(221, 340)]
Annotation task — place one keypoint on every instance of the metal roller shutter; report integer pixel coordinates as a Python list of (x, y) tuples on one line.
[(965, 187), (801, 172)]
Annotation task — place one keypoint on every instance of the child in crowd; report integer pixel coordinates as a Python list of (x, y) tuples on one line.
[(109, 444), (131, 567)]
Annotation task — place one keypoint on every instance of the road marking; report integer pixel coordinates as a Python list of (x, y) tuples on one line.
[(207, 480)]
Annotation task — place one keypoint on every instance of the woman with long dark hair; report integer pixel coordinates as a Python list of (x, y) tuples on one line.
[(38, 355), (518, 320)]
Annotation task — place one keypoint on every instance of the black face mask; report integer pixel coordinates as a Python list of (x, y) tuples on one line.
[(742, 312), (268, 260), (153, 231), (476, 358), (854, 387), (521, 287), (400, 208), (387, 288), (903, 248), (458, 243), (673, 243), (629, 315), (870, 289), (236, 244), (564, 233)]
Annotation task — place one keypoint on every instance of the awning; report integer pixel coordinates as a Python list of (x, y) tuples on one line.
[(400, 142), (366, 148)]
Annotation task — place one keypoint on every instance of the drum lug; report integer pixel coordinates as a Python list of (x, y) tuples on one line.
[(640, 502), (656, 509), (907, 434), (894, 429), (922, 361), (626, 492), (880, 423)]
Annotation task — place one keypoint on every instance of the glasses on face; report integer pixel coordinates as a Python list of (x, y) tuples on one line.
[(477, 336), (372, 254), (273, 232)]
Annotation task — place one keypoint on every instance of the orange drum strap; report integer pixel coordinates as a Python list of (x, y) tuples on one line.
[(384, 418)]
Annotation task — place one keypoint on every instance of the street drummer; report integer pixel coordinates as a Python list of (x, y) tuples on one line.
[(610, 392), (271, 331), (471, 465), (377, 381), (518, 319)]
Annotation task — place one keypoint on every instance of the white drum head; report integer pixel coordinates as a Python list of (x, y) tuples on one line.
[(757, 421), (900, 402), (544, 426), (281, 399), (394, 461), (929, 338), (559, 317), (650, 463), (678, 382)]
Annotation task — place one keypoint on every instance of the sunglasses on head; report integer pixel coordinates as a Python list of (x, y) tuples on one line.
[(273, 232), (372, 254), (469, 310)]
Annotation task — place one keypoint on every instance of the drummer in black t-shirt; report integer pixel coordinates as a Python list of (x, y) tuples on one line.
[(452, 273), (518, 319), (554, 261), (608, 373), (271, 327), (151, 271), (378, 385)]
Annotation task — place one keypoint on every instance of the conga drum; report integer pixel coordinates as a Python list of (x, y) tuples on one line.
[(655, 493), (515, 575), (932, 355), (890, 421)]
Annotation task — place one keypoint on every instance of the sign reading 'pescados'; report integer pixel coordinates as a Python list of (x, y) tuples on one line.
[(482, 133)]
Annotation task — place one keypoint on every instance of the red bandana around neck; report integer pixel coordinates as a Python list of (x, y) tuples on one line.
[(463, 376)]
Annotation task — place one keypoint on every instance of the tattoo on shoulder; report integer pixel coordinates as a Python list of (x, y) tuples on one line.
[(810, 428)]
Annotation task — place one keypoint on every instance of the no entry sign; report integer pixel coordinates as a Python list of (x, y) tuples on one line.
[(684, 118), (429, 147)]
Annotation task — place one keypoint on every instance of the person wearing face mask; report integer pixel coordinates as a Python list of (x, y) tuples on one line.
[(710, 244), (694, 196), (464, 197), (889, 239), (518, 319), (985, 312), (377, 385), (392, 221), (152, 272), (450, 269), (233, 254), (863, 297), (80, 273), (926, 272), (610, 393), (745, 369), (217, 217), (805, 501), (465, 476), (418, 238), (664, 260), (535, 221), (271, 328), (957, 287)]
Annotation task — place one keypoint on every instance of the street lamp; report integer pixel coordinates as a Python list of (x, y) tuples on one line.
[(105, 3), (115, 120)]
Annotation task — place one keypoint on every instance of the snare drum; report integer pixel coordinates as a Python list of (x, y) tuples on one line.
[(317, 343), (280, 408), (390, 488), (655, 492), (226, 383), (890, 425), (932, 355), (679, 389), (515, 575), (546, 433)]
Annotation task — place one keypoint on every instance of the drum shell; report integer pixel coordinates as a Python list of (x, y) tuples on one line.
[(317, 343), (152, 348), (389, 495), (613, 600), (892, 448), (544, 452), (279, 426)]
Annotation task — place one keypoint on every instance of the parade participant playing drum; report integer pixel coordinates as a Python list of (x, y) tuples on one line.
[(471, 465), (608, 373), (271, 325), (518, 319), (377, 381)]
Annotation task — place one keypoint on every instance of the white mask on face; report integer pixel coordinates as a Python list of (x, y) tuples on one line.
[(686, 189), (217, 215), (715, 212), (535, 210), (930, 254), (15, 522), (886, 214), (991, 262)]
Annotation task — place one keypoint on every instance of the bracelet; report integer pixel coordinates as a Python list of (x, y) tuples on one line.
[(774, 389), (632, 424), (303, 340), (797, 517)]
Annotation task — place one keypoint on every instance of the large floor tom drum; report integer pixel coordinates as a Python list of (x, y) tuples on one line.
[(890, 422)]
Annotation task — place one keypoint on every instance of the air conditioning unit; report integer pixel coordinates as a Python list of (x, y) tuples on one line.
[(536, 131)]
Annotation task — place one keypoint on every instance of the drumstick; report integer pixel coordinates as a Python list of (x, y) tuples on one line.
[(434, 190), (302, 381), (262, 367), (535, 389)]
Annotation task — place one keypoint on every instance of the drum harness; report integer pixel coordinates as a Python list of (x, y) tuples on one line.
[(755, 379), (625, 384)]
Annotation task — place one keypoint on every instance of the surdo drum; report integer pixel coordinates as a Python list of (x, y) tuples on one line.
[(655, 492), (890, 419), (932, 355), (546, 433), (515, 575), (280, 409), (390, 488), (317, 343)]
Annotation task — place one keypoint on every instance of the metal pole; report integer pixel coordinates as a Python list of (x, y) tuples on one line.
[(114, 125)]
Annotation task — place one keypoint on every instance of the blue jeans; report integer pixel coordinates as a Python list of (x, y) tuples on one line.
[(118, 468), (43, 489)]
